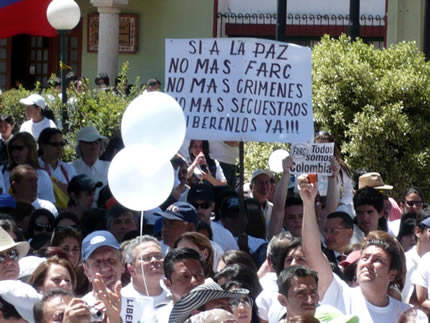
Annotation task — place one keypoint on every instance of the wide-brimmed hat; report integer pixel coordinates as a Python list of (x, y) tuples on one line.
[(373, 180), (6, 243), (34, 99), (199, 296), (89, 134), (216, 315)]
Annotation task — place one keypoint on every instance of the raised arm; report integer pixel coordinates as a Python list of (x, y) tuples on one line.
[(311, 235), (277, 218)]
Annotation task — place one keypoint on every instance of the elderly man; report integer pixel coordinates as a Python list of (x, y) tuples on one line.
[(89, 149), (101, 255), (260, 185), (144, 260), (10, 253), (183, 270), (23, 182)]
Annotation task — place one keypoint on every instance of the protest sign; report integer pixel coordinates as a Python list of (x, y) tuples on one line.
[(137, 309), (242, 89), (312, 158)]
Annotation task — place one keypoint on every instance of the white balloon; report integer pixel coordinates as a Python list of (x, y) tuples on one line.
[(275, 160), (135, 184), (154, 119)]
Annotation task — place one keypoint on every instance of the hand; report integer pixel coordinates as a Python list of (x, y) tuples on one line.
[(111, 299), (200, 159), (308, 191), (205, 175), (76, 311), (334, 167), (287, 164)]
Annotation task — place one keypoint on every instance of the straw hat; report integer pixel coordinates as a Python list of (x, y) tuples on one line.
[(373, 180), (6, 243)]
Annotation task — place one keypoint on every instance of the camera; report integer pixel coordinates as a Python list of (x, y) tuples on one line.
[(96, 315), (204, 168)]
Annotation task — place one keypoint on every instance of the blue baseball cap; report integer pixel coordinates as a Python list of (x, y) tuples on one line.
[(181, 211), (96, 240), (7, 200)]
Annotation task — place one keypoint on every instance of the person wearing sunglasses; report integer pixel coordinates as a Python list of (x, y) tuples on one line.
[(51, 146), (22, 149), (40, 221), (36, 112), (202, 197), (413, 201), (10, 253)]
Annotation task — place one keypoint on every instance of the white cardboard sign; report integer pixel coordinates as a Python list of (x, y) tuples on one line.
[(312, 158), (242, 89)]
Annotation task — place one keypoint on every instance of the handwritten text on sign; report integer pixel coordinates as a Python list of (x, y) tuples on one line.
[(312, 158), (242, 89)]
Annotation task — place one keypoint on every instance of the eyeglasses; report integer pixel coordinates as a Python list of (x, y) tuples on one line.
[(205, 205), (19, 148), (57, 144), (412, 203), (42, 227), (11, 254), (245, 301), (148, 258)]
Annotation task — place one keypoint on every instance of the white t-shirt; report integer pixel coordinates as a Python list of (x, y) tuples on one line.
[(351, 301), (412, 261), (223, 152), (130, 291), (44, 204), (265, 299), (223, 237), (45, 190), (162, 313), (219, 175), (58, 172), (421, 277), (35, 128)]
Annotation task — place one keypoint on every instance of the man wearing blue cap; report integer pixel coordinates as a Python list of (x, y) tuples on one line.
[(101, 254)]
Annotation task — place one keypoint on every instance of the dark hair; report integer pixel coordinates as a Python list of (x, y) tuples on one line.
[(68, 215), (282, 254), (231, 257), (369, 196), (28, 141), (61, 233), (407, 226), (356, 175), (243, 274), (39, 275), (412, 190), (9, 311), (347, 221), (292, 201), (102, 77), (277, 244), (233, 285), (116, 211), (35, 215), (205, 226), (205, 149), (152, 82), (394, 250), (115, 143), (8, 119), (39, 306), (422, 215), (45, 136), (177, 255), (286, 277)]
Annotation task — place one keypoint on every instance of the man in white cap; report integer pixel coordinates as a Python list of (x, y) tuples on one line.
[(89, 149), (35, 107), (10, 253), (261, 182)]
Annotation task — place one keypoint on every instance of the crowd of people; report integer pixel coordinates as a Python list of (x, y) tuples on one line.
[(338, 249)]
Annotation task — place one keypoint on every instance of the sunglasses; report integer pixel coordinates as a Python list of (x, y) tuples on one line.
[(42, 227), (412, 203), (205, 205), (11, 254), (19, 148), (57, 144), (245, 301)]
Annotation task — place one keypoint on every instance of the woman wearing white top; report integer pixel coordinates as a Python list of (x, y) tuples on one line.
[(36, 110), (50, 152), (22, 150)]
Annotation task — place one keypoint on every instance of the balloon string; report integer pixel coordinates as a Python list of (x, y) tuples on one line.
[(141, 263)]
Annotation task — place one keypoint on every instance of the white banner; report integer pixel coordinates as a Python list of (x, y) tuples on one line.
[(242, 89), (137, 310), (312, 158)]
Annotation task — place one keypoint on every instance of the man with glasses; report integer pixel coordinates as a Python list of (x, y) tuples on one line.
[(144, 260), (201, 196), (10, 253)]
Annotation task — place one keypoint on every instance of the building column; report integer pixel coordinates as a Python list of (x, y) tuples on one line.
[(107, 60)]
